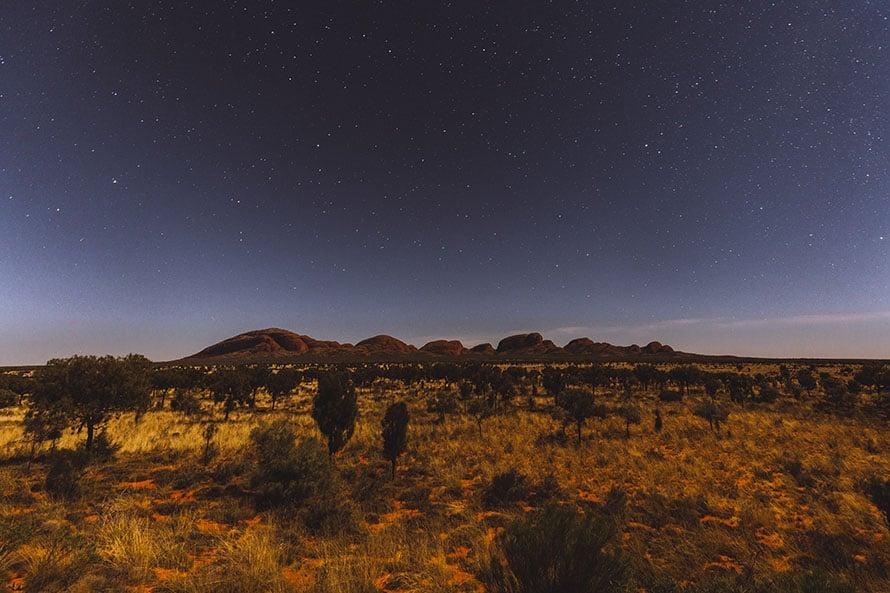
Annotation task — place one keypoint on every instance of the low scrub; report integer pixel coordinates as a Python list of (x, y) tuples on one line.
[(506, 488), (557, 551), (296, 477), (64, 474)]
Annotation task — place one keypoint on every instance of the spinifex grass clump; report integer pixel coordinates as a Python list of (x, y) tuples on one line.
[(560, 550)]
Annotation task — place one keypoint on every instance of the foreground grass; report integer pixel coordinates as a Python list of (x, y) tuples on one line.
[(778, 492)]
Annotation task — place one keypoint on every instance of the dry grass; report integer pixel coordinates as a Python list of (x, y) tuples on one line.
[(777, 492)]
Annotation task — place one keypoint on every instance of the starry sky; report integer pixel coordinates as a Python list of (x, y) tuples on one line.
[(713, 175)]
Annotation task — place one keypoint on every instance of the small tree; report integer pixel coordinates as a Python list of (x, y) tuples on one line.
[(8, 398), (480, 407), (580, 406), (553, 381), (335, 409), (806, 380), (631, 414), (43, 424), (209, 450), (713, 412), (740, 387), (395, 432), (712, 386), (88, 391), (441, 403), (231, 387), (658, 422), (629, 410), (282, 383)]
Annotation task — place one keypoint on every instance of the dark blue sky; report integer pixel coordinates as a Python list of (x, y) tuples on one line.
[(712, 175)]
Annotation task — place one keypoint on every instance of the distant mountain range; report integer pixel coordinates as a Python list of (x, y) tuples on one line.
[(274, 344)]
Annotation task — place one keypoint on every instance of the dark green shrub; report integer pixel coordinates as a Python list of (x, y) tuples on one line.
[(545, 489), (714, 413), (557, 551), (296, 477), (394, 428), (103, 447), (335, 409), (580, 405), (64, 474), (506, 488), (670, 395), (877, 490), (209, 450), (767, 394), (186, 402), (441, 403)]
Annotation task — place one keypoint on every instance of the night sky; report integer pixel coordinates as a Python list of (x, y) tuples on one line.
[(713, 175)]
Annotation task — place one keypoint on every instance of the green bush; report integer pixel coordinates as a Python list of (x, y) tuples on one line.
[(335, 409), (715, 413), (670, 395), (64, 473), (506, 488), (877, 490), (103, 447), (557, 551), (296, 477)]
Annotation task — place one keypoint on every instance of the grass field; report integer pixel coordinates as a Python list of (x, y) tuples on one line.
[(774, 501)]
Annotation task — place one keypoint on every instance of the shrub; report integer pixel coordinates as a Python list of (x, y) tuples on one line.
[(505, 488), (877, 490), (65, 473), (103, 447), (670, 395), (713, 412), (767, 394), (580, 405), (209, 450), (441, 403), (395, 432), (295, 476), (553, 381), (837, 397), (186, 402), (231, 387), (480, 407), (557, 551), (335, 409), (631, 414)]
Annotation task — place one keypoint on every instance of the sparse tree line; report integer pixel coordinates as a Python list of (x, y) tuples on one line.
[(297, 474), (84, 392)]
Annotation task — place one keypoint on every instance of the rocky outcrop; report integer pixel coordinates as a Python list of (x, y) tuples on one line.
[(280, 344), (385, 344), (444, 348)]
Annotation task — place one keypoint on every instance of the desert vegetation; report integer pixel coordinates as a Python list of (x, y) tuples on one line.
[(120, 475)]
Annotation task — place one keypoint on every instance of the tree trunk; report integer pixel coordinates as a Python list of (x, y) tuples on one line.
[(627, 429), (393, 469), (90, 430), (579, 433)]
